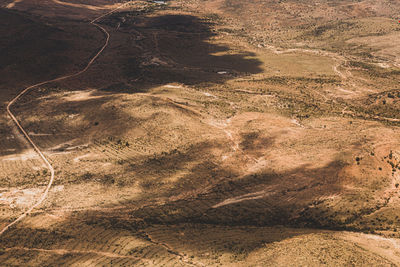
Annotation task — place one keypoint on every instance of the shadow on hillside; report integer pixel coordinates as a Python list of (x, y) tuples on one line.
[(262, 200), (149, 51), (146, 52), (34, 49)]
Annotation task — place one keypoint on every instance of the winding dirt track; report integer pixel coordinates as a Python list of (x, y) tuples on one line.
[(17, 123)]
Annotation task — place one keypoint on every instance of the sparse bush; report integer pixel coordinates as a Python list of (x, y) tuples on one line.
[(87, 176)]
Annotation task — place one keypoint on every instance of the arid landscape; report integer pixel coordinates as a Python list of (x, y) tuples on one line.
[(200, 133)]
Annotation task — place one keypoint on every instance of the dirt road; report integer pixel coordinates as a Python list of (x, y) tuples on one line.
[(26, 135)]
